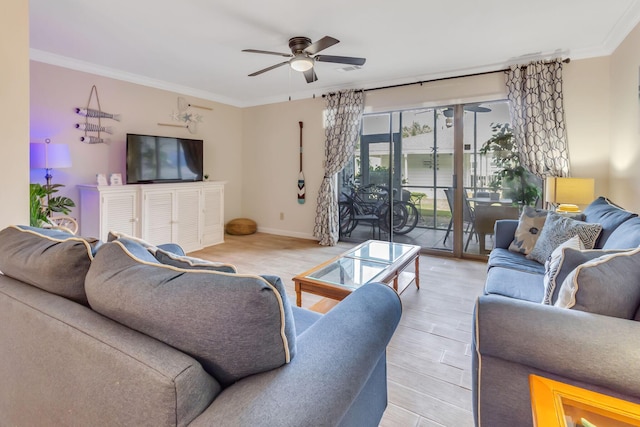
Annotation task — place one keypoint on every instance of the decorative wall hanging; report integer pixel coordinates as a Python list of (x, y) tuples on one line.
[(92, 127), (301, 189), (186, 116)]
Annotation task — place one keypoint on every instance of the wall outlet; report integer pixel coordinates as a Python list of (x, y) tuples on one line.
[(281, 216)]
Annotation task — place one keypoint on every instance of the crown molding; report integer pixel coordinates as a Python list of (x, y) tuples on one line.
[(87, 67)]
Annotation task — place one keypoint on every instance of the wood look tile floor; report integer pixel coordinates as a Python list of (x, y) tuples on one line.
[(429, 356)]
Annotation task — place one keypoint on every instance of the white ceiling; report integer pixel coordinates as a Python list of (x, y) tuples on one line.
[(194, 46)]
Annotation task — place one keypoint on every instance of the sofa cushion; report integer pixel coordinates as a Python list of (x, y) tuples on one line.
[(553, 264), (523, 285), (529, 227), (608, 285), (234, 325), (53, 260), (558, 229), (625, 236), (609, 215), (500, 257), (191, 263)]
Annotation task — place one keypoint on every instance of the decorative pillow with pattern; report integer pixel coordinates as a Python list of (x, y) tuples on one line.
[(553, 264), (558, 229), (529, 228), (608, 285)]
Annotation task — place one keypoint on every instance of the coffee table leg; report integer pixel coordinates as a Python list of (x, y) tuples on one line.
[(298, 295), (418, 271)]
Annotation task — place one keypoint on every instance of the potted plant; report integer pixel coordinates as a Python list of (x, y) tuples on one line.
[(42, 204), (517, 183), (494, 185)]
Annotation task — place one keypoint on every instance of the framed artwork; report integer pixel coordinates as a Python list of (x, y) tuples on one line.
[(116, 179), (101, 179)]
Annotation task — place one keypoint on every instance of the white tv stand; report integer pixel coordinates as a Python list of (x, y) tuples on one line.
[(189, 214)]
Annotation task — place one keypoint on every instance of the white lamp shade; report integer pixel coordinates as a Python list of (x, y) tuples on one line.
[(49, 156), (301, 63), (577, 191)]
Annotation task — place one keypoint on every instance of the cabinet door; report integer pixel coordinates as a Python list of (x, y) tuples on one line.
[(119, 213), (187, 220), (213, 215), (158, 217)]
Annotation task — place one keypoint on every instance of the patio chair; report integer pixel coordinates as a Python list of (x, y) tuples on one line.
[(468, 218)]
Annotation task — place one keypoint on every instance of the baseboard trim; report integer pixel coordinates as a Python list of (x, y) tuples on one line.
[(287, 233)]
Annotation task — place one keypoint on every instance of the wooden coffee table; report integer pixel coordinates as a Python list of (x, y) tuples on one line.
[(371, 261)]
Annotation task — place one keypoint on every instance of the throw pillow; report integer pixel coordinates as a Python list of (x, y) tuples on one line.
[(234, 325), (53, 260), (557, 229), (552, 266), (529, 227), (604, 211), (191, 263), (571, 259), (608, 285), (115, 235)]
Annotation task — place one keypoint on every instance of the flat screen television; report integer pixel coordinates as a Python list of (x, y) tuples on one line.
[(153, 159)]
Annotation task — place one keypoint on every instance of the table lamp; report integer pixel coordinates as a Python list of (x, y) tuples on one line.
[(49, 156), (567, 193)]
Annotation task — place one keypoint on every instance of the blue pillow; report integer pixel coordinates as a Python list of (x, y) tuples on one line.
[(234, 325), (626, 236), (608, 285), (609, 215), (52, 260)]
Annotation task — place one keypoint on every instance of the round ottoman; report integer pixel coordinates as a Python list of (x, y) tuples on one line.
[(241, 226)]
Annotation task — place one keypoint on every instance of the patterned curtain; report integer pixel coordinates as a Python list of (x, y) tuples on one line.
[(537, 111), (343, 115)]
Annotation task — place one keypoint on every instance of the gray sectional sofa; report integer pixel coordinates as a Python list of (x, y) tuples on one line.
[(592, 344), (124, 334)]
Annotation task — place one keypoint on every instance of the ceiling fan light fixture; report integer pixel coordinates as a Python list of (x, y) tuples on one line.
[(301, 63)]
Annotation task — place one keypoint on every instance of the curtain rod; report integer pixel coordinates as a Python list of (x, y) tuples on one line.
[(566, 61)]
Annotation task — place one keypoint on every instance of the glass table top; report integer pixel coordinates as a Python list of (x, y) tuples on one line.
[(349, 272), (385, 252), (362, 265)]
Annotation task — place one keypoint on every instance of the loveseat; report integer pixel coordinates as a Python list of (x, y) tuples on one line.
[(126, 334), (592, 344)]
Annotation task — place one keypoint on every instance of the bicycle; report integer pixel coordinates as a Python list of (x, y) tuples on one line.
[(371, 204)]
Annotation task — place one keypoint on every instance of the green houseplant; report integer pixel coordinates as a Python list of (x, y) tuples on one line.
[(42, 204), (517, 183)]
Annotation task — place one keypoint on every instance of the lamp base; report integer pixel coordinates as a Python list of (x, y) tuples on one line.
[(565, 207)]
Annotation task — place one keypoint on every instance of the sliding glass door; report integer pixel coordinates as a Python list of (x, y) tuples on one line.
[(420, 178)]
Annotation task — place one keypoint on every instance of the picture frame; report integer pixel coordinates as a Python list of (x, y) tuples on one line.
[(101, 179), (115, 179)]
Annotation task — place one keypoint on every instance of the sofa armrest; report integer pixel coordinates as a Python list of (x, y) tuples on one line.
[(581, 346), (505, 230), (334, 360)]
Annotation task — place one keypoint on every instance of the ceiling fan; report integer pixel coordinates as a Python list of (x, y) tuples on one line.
[(304, 55)]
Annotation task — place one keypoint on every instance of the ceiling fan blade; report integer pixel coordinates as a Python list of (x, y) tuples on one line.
[(267, 52), (340, 59), (321, 44), (264, 70), (310, 75)]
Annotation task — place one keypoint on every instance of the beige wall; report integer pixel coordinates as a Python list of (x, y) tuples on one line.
[(271, 165), (14, 112), (586, 101), (624, 181), (57, 91)]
